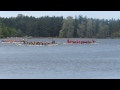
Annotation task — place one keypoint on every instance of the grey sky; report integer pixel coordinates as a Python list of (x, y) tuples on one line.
[(89, 14)]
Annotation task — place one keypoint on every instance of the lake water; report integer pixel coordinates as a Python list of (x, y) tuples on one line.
[(65, 61)]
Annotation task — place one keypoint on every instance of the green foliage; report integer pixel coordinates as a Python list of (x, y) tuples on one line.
[(116, 34), (67, 28), (58, 27), (81, 30), (1, 36), (5, 31), (9, 32), (89, 28)]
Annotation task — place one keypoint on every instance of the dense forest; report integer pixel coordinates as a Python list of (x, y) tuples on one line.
[(69, 27)]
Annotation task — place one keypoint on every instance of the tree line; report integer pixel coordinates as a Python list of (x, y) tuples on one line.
[(59, 27)]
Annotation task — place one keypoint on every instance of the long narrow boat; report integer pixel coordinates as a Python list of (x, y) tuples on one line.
[(37, 43), (81, 41), (11, 41)]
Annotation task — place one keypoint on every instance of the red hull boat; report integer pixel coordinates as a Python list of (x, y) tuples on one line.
[(80, 41)]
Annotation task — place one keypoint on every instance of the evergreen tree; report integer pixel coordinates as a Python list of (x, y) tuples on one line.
[(89, 28), (67, 28), (81, 30)]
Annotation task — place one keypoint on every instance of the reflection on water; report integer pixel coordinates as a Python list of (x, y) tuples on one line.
[(99, 60)]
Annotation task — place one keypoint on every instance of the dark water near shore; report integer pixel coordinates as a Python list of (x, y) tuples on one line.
[(65, 61)]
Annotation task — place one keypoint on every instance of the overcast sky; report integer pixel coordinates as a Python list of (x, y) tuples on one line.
[(89, 14)]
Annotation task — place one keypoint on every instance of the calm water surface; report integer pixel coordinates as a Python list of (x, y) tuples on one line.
[(65, 61)]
